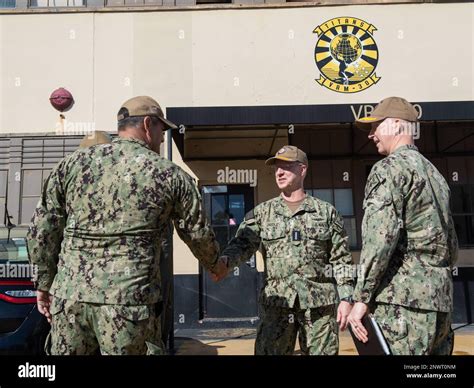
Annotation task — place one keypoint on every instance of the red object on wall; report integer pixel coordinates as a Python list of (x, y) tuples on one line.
[(61, 99)]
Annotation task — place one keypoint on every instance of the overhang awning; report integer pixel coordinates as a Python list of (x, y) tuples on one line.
[(228, 122)]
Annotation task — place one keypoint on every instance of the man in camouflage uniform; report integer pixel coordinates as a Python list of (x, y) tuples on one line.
[(307, 264), (409, 241), (96, 238), (165, 305)]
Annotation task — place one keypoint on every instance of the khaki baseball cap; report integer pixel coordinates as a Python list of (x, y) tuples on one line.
[(94, 138), (288, 153), (143, 106), (394, 107)]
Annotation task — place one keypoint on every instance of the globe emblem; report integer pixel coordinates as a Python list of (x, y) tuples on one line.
[(346, 49)]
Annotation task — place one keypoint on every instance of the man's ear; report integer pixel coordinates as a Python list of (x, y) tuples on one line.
[(398, 127), (304, 169), (147, 123)]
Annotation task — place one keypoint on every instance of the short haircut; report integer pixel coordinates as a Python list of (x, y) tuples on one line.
[(133, 121)]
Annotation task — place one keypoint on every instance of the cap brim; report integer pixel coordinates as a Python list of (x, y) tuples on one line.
[(365, 123), (168, 123), (272, 160)]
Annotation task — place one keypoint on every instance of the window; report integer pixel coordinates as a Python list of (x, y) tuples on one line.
[(7, 3), (198, 2), (3, 196), (57, 3), (13, 249), (342, 200), (462, 205), (227, 205)]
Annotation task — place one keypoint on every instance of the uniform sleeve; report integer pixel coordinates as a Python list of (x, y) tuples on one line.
[(340, 256), (245, 243), (381, 228), (452, 242), (190, 221), (45, 233)]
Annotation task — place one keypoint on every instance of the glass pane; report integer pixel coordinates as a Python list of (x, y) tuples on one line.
[(343, 199), (13, 249), (351, 230), (7, 3), (236, 209), (214, 189), (324, 194), (57, 3), (218, 210)]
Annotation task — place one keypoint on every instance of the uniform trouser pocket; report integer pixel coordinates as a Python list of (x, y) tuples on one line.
[(318, 334), (79, 328), (411, 331), (128, 330), (71, 332)]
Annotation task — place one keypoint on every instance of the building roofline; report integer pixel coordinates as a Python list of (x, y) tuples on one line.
[(210, 7)]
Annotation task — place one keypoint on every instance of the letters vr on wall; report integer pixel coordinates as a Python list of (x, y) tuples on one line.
[(346, 54)]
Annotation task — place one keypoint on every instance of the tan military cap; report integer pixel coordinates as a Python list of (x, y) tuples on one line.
[(394, 107), (288, 153), (143, 106)]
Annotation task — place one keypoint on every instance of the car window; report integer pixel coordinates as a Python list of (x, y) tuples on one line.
[(13, 249)]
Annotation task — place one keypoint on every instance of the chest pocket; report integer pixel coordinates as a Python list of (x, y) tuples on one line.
[(273, 232), (274, 240), (317, 240)]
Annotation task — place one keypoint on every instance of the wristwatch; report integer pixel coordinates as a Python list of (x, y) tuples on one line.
[(348, 299)]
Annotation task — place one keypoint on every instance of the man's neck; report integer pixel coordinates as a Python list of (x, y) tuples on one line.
[(293, 196), (128, 135), (402, 142)]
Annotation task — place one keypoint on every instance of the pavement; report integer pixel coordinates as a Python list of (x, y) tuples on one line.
[(240, 341)]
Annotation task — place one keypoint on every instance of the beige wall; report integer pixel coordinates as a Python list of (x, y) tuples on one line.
[(219, 57)]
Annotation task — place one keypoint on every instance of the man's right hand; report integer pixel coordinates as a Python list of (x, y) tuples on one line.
[(359, 310), (221, 269), (43, 302)]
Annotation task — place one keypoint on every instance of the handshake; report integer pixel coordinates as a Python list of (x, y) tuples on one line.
[(221, 269)]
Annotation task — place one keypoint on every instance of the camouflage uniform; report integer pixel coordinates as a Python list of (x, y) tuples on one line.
[(409, 246), (307, 268), (96, 238)]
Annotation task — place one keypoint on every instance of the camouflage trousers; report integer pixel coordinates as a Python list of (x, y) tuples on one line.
[(410, 331), (316, 328), (79, 328)]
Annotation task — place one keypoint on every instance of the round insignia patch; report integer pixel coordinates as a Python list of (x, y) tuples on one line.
[(346, 55)]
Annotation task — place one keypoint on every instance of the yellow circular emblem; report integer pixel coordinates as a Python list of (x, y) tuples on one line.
[(346, 54)]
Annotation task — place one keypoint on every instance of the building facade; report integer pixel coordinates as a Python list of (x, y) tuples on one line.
[(241, 80)]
